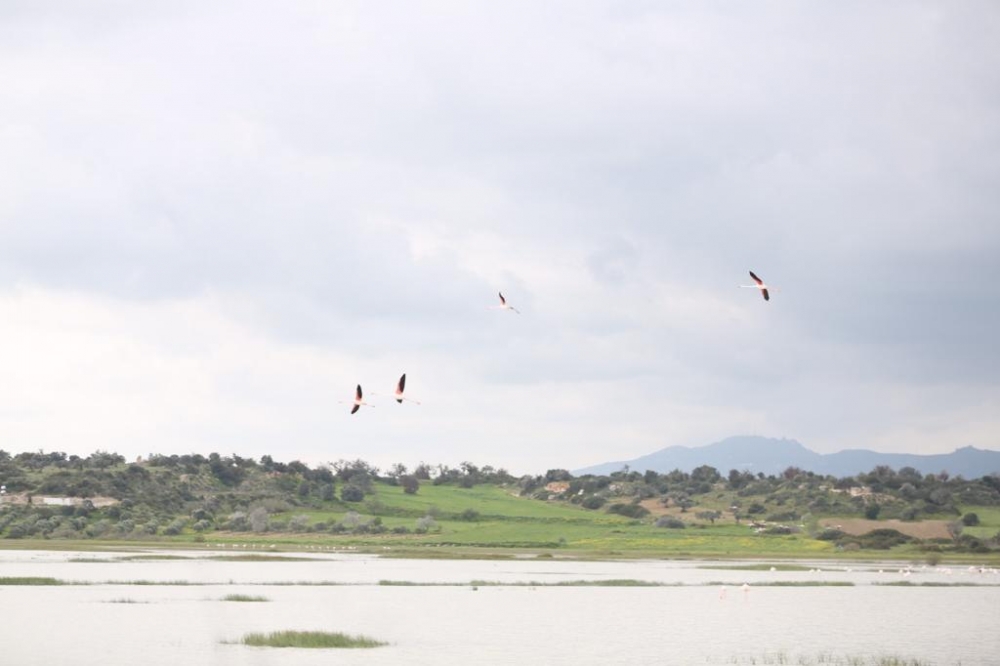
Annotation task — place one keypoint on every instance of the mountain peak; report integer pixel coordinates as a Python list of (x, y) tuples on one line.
[(770, 455)]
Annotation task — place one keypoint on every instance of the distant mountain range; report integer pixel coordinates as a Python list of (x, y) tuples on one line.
[(773, 456)]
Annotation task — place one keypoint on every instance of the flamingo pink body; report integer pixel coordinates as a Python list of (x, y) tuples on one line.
[(758, 284), (504, 305)]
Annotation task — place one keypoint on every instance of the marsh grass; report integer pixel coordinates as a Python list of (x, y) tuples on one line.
[(614, 582), (756, 567), (30, 580), (244, 597), (167, 583), (455, 553), (790, 583), (827, 659), (125, 600), (310, 639), (151, 557), (619, 582), (259, 557), (930, 583)]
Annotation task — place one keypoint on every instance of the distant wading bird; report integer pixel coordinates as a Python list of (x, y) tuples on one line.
[(760, 285), (358, 401), (503, 305)]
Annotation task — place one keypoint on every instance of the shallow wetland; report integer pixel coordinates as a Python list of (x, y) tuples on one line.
[(113, 608)]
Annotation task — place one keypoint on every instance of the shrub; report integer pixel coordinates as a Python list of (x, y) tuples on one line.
[(629, 510), (299, 523), (351, 520), (410, 484), (882, 539), (972, 544), (237, 522), (275, 505), (593, 502), (425, 525), (470, 515), (258, 519), (670, 522), (970, 520), (831, 534), (175, 527), (352, 493), (781, 529)]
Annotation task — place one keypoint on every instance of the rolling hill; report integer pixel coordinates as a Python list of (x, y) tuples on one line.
[(772, 456)]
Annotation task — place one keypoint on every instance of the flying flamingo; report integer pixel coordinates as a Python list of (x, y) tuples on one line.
[(760, 285), (400, 387), (358, 401), (503, 305)]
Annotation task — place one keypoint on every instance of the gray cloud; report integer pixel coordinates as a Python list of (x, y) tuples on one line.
[(364, 181)]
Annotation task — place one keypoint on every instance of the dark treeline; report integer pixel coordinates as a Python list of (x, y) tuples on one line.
[(883, 492), (167, 495)]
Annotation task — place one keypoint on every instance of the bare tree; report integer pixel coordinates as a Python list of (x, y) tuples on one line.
[(258, 519)]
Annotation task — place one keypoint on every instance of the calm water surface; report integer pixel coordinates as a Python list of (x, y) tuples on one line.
[(689, 622)]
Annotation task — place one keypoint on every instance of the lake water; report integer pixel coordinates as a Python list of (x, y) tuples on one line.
[(689, 621)]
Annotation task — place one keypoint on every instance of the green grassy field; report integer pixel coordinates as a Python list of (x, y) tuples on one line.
[(499, 523), (989, 521)]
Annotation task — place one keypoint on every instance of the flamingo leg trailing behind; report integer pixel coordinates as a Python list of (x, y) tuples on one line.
[(759, 284), (504, 305)]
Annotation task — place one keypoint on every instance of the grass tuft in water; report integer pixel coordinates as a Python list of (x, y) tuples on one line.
[(827, 659), (756, 567), (260, 557), (790, 583), (310, 639), (612, 582), (149, 582), (244, 597), (30, 580), (930, 583)]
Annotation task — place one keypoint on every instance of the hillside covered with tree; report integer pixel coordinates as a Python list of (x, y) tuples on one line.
[(197, 498)]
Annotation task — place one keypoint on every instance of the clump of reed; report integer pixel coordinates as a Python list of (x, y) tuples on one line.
[(30, 580), (309, 639), (244, 597)]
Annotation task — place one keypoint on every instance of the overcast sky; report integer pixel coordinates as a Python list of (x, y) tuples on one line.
[(216, 218)]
